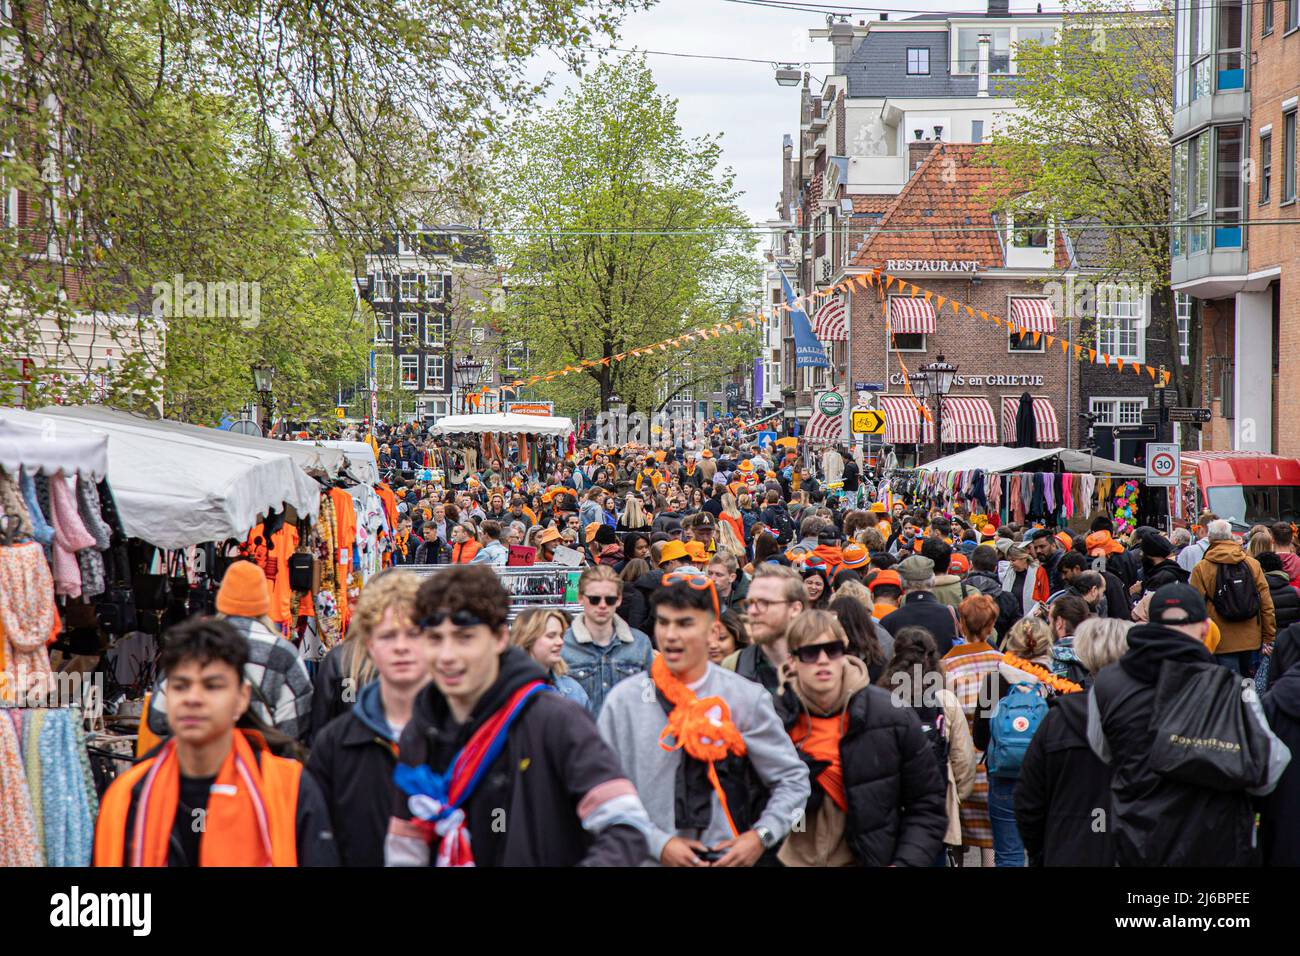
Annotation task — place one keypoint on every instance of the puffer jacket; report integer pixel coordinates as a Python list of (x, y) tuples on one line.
[(895, 794), (1235, 636), (1286, 599), (949, 589)]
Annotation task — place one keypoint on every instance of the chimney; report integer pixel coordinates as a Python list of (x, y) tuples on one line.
[(983, 65), (916, 153), (841, 43), (884, 16), (999, 8)]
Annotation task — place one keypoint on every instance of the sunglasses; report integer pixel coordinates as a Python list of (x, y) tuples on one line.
[(811, 653), (696, 581), (607, 599), (458, 618)]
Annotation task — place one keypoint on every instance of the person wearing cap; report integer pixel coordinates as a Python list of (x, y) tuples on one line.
[(920, 608), (282, 689), (886, 593), (697, 554), (673, 555), (1158, 565), (1158, 820), (1239, 640), (702, 527), (853, 557)]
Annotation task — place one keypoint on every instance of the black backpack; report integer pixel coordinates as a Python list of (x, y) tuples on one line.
[(1235, 597), (934, 726), (783, 526)]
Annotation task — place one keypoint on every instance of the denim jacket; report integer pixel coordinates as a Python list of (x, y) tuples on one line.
[(570, 689), (597, 669)]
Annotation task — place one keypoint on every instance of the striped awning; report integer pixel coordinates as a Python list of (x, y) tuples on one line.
[(824, 429), (902, 417), (968, 420), (830, 324), (911, 316), (1049, 432), (1034, 314)]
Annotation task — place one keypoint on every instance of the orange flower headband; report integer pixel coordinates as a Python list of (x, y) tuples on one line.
[(1059, 684)]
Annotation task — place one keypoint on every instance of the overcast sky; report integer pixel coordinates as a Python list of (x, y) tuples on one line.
[(741, 100)]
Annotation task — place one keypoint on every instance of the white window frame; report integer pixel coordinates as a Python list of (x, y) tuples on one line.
[(406, 362), (383, 320), (1109, 307), (435, 363), (1047, 230), (925, 342), (918, 71), (381, 290), (1110, 406), (436, 320), (429, 295), (1183, 317), (408, 328), (515, 358), (8, 194), (1042, 336), (403, 280)]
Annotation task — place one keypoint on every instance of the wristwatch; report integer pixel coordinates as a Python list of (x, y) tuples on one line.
[(765, 837)]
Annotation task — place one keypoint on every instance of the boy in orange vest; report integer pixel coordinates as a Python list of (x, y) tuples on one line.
[(212, 795)]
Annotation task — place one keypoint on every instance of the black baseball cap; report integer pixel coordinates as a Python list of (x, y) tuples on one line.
[(1177, 603)]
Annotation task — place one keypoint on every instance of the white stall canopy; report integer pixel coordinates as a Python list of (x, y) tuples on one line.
[(360, 457), (503, 423), (41, 443), (177, 487), (1000, 458)]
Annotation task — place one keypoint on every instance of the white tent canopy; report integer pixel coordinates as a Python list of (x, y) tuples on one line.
[(40, 443), (503, 423), (360, 457), (999, 458), (177, 487)]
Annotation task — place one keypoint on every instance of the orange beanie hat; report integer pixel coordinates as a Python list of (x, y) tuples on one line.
[(243, 591)]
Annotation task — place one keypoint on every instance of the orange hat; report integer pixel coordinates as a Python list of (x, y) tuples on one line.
[(1066, 541), (547, 536), (673, 551), (707, 453), (988, 531), (697, 552), (887, 576), (878, 507), (854, 555), (958, 564), (243, 591), (745, 466), (591, 531)]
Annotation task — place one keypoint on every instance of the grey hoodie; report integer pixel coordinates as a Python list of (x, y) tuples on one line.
[(631, 721)]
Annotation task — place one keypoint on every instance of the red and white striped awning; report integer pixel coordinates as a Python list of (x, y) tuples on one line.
[(823, 429), (1049, 433), (830, 324), (911, 316), (968, 420), (1034, 314), (902, 417)]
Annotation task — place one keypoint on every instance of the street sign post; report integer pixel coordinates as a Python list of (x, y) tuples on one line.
[(868, 422), (1163, 461)]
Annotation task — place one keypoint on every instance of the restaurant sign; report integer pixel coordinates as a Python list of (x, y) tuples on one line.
[(977, 381), (932, 265)]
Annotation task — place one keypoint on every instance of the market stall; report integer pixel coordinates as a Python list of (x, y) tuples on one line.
[(504, 423), (490, 436)]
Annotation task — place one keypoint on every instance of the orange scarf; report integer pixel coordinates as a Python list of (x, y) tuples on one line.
[(251, 815), (402, 540), (693, 729), (819, 738)]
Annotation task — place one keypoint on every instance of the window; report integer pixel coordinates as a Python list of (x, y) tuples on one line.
[(1230, 71), (977, 131), (1117, 411), (1183, 307), (516, 358), (1025, 343), (1178, 196), (407, 327), (410, 286), (381, 290), (8, 195), (1227, 187), (1268, 17), (1289, 148), (435, 329), (1120, 321), (1292, 15), (1203, 35), (383, 328), (1029, 231), (908, 342), (1265, 168), (410, 365), (435, 287), (1042, 36), (918, 61), (1198, 193), (435, 372), (968, 50)]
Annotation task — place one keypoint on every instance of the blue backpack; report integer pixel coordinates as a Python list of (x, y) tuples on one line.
[(1015, 721)]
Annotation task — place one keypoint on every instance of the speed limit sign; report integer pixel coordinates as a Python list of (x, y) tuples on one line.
[(1163, 460)]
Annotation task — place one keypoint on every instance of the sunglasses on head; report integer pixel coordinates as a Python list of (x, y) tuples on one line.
[(811, 653), (607, 599), (696, 581), (458, 618)]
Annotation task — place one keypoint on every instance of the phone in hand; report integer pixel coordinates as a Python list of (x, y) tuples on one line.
[(710, 856)]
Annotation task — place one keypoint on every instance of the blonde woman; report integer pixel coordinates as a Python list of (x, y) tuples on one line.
[(540, 632), (732, 518), (633, 517), (728, 540)]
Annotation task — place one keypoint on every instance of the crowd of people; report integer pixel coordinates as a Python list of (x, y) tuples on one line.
[(769, 667)]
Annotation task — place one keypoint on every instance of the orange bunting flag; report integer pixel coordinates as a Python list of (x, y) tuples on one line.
[(1092, 355), (1166, 376), (889, 284), (1051, 341), (1151, 372), (1137, 369), (928, 294), (1037, 336), (984, 315), (1120, 363), (941, 300), (956, 307), (970, 311), (1065, 346)]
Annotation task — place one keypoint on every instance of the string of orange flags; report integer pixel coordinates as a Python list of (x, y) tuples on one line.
[(876, 278)]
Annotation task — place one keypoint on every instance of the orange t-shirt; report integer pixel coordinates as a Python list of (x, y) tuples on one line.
[(819, 737), (881, 611)]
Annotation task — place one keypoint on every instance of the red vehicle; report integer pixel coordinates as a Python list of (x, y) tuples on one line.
[(1245, 487)]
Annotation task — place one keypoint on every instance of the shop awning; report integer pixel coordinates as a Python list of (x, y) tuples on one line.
[(999, 458), (1049, 433), (968, 420), (1034, 314), (43, 444), (830, 324), (502, 423), (911, 316), (902, 417)]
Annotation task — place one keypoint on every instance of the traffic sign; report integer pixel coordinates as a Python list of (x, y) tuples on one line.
[(1181, 413), (868, 387), (867, 422), (1163, 460), (340, 412)]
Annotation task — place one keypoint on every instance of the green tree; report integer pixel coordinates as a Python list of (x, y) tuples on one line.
[(618, 231), (1089, 144)]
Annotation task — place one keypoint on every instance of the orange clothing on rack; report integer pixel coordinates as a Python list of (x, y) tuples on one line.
[(389, 499), (345, 520)]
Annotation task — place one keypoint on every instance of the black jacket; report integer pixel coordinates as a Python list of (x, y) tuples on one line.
[(553, 758), (352, 758), (988, 583), (1279, 825), (897, 812), (1063, 792), (752, 664), (328, 698), (1286, 600), (922, 609), (1166, 572), (1118, 604), (852, 476), (1157, 821), (638, 615)]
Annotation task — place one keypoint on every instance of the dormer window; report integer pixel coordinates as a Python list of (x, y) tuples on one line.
[(918, 61), (1029, 230)]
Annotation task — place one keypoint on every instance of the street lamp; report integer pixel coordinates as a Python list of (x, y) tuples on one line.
[(941, 375), (466, 374), (920, 383), (787, 74), (263, 376)]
